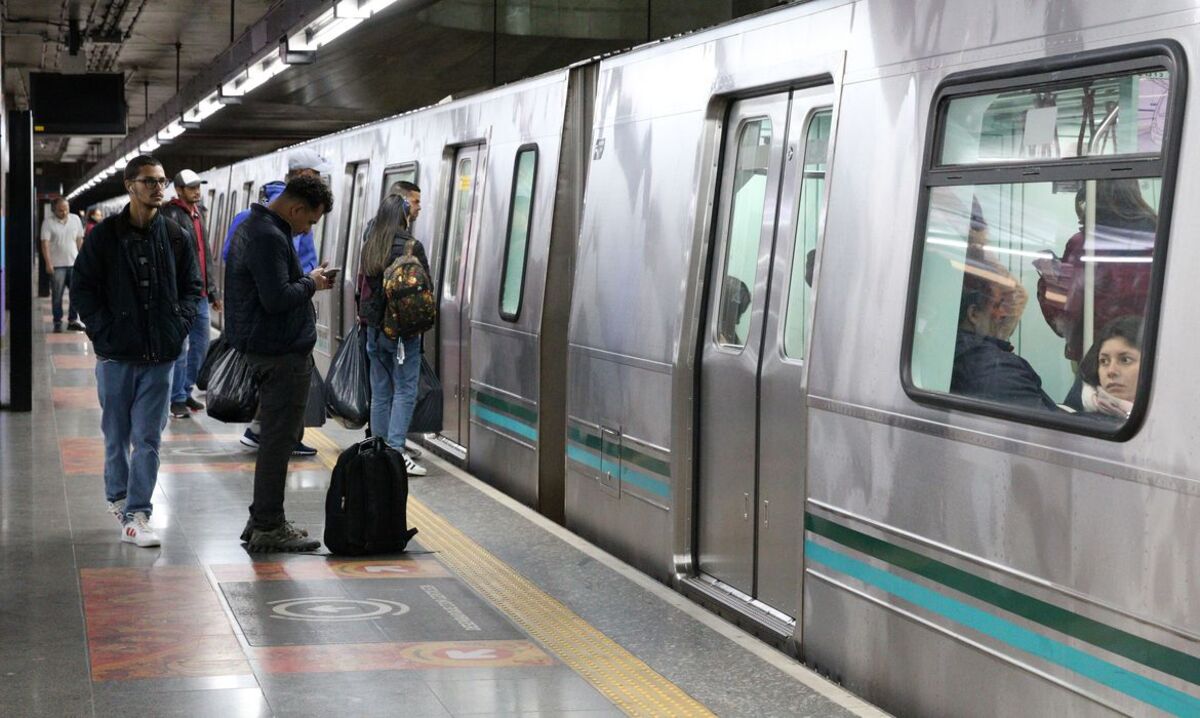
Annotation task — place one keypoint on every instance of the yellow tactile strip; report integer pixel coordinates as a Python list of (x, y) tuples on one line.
[(619, 675)]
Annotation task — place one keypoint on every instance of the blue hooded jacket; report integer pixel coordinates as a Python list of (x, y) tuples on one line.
[(305, 247)]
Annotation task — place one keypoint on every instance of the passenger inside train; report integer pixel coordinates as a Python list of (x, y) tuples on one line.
[(1109, 371)]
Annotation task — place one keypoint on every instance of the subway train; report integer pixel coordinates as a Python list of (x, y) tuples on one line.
[(787, 313)]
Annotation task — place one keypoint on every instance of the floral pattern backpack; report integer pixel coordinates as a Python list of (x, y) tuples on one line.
[(411, 303)]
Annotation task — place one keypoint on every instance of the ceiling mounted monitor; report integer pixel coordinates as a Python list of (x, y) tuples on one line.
[(90, 104)]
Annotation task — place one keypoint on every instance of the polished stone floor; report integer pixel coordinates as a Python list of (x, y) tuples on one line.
[(468, 622)]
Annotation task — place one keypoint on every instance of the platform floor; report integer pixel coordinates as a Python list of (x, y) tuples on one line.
[(494, 610)]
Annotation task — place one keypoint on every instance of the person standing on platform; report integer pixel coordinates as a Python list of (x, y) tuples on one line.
[(62, 236), (93, 218), (135, 283), (271, 320), (301, 163), (185, 209)]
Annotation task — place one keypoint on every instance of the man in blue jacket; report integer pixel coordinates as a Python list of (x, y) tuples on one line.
[(270, 319), (136, 284)]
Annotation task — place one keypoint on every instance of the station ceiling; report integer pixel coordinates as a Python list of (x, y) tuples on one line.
[(409, 55)]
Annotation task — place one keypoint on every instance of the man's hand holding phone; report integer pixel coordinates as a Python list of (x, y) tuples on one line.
[(323, 277)]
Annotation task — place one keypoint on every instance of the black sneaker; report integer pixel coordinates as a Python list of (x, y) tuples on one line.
[(284, 538), (58, 328), (75, 325), (303, 449), (248, 530), (194, 405), (179, 410)]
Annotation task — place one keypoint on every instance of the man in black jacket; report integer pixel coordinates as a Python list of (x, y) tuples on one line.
[(269, 317), (136, 284)]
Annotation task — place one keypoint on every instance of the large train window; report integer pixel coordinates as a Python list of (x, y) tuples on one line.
[(247, 194), (318, 229), (745, 227), (460, 216), (406, 172), (1039, 252), (520, 219), (808, 232)]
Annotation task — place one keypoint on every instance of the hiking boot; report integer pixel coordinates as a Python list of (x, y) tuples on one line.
[(179, 410), (194, 405), (284, 538), (137, 531), (117, 509), (413, 468), (248, 531)]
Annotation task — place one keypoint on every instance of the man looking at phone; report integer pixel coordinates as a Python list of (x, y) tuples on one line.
[(270, 319)]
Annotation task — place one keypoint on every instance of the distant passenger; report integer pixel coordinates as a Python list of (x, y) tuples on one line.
[(136, 284), (94, 217), (185, 209), (270, 319), (735, 300), (301, 163), (1121, 253), (985, 366), (1109, 371), (395, 363), (62, 236)]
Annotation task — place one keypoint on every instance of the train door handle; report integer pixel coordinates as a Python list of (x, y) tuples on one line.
[(745, 507), (766, 505)]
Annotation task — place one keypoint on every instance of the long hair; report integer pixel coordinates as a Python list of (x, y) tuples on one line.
[(377, 245), (1120, 203), (1128, 328)]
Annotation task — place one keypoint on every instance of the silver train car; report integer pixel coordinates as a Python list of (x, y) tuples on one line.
[(646, 336)]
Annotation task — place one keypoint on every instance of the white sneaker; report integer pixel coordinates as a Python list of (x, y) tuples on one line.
[(137, 531), (413, 468), (117, 509)]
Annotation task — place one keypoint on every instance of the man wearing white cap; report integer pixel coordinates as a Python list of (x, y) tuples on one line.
[(185, 210), (302, 162)]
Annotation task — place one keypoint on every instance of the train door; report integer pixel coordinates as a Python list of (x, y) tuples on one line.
[(453, 316), (335, 309), (217, 236), (752, 408)]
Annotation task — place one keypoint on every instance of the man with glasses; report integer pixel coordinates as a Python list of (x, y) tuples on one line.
[(136, 285)]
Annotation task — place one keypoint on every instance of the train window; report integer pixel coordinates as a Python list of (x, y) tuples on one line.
[(808, 232), (520, 219), (1035, 285), (406, 172), (745, 227), (318, 229), (210, 211), (459, 221), (247, 194)]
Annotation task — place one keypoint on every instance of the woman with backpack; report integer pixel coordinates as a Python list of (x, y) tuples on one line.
[(390, 253)]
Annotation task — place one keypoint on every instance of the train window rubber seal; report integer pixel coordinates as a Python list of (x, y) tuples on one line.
[(512, 196), (1165, 55)]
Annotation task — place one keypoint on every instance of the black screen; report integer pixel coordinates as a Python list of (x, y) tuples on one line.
[(91, 104)]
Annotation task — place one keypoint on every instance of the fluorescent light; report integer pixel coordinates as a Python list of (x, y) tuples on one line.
[(204, 109), (173, 129), (374, 6), (252, 77), (150, 145), (350, 9)]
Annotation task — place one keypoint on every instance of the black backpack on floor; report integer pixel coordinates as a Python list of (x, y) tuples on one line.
[(366, 507)]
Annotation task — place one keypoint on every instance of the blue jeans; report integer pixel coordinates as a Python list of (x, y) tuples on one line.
[(60, 281), (393, 385), (133, 403), (187, 366)]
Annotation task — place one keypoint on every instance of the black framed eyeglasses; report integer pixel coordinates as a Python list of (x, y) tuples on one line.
[(152, 182)]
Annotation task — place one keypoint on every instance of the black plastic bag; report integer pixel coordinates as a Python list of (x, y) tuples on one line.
[(348, 383), (427, 414), (314, 412), (232, 389), (216, 350)]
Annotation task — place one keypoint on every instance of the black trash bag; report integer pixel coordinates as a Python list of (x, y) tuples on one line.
[(348, 383), (427, 414), (314, 411), (216, 350), (232, 389)]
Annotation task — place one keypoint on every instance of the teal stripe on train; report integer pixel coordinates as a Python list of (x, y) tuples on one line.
[(642, 471), (1047, 647), (504, 415)]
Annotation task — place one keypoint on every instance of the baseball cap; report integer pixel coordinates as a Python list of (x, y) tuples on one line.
[(188, 178), (306, 159)]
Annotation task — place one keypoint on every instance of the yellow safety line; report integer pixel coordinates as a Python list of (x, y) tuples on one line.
[(619, 675)]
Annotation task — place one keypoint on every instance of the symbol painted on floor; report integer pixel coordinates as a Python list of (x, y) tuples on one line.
[(386, 569), (475, 655), (335, 609)]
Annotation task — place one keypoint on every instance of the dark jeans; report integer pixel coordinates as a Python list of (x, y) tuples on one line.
[(282, 396), (60, 281)]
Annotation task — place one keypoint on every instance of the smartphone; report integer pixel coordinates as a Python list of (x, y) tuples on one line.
[(330, 271)]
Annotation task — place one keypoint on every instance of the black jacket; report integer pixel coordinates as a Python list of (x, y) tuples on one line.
[(987, 368), (177, 213), (268, 297), (128, 320)]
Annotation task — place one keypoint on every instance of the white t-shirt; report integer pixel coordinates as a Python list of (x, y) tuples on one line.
[(61, 234)]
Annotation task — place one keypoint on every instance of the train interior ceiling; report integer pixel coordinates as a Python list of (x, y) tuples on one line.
[(932, 436)]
